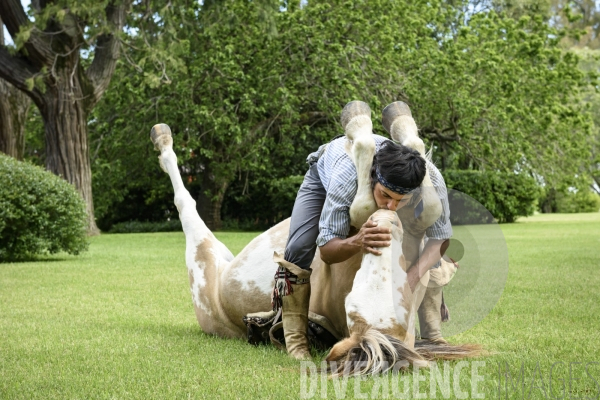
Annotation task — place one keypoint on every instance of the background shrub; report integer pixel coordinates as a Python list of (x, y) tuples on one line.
[(39, 212), (261, 203), (567, 201), (580, 202), (505, 195), (173, 225)]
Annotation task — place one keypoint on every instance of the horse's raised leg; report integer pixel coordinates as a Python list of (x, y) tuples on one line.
[(358, 128), (205, 256)]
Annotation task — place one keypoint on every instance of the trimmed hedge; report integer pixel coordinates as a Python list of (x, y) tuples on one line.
[(505, 195), (40, 213)]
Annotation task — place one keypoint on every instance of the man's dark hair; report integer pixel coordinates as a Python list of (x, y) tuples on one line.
[(399, 165)]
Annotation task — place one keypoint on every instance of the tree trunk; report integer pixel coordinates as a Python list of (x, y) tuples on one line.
[(14, 106), (548, 205), (444, 156), (209, 206), (65, 122), (51, 53)]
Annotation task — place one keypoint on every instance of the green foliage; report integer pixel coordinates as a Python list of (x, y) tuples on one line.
[(581, 201), (139, 227), (505, 195), (249, 89), (39, 212), (590, 63), (569, 201), (260, 204), (35, 151), (499, 94), (579, 18)]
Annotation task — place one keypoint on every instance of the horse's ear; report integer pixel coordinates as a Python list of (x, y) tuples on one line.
[(342, 348)]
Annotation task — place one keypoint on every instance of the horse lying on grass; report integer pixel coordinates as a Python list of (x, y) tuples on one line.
[(362, 307)]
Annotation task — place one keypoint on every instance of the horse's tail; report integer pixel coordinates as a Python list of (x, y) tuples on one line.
[(371, 352), (443, 351)]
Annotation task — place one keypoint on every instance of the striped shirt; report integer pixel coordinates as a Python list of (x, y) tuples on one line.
[(339, 178)]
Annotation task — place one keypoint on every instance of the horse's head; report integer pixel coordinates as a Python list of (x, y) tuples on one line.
[(381, 308)]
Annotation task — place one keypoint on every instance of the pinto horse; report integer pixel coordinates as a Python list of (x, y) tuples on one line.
[(364, 303)]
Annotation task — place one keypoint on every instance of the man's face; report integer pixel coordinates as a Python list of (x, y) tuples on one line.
[(389, 200)]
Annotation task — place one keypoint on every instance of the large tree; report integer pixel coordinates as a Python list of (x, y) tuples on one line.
[(66, 55), (260, 84), (14, 105), (259, 88), (590, 62), (497, 93)]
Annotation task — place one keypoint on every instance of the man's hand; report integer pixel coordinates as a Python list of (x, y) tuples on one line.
[(433, 251), (370, 237)]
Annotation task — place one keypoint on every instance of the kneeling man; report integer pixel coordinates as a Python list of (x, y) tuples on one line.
[(321, 217)]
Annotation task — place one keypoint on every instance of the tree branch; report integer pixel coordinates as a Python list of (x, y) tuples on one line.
[(17, 71), (437, 133), (14, 17), (107, 52)]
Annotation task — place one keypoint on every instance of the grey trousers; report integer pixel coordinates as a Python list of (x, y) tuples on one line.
[(304, 227)]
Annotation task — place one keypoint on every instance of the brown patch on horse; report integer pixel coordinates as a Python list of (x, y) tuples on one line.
[(342, 348), (205, 253), (219, 321), (236, 307), (397, 331), (407, 299), (360, 326), (359, 323)]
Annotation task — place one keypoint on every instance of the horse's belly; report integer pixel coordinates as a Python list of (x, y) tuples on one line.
[(247, 283)]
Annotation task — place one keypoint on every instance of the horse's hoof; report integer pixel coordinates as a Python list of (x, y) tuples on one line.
[(393, 111), (354, 109), (161, 136)]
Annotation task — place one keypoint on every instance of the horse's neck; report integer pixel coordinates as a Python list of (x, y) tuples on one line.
[(330, 286), (379, 289)]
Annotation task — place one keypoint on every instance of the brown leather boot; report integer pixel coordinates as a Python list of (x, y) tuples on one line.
[(295, 322), (430, 318), (294, 294)]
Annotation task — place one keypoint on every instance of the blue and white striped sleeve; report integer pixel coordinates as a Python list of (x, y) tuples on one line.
[(335, 217), (442, 228)]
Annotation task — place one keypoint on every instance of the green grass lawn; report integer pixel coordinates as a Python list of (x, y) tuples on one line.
[(118, 322)]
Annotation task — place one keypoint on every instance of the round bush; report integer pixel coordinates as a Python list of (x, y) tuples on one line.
[(505, 195), (40, 213)]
